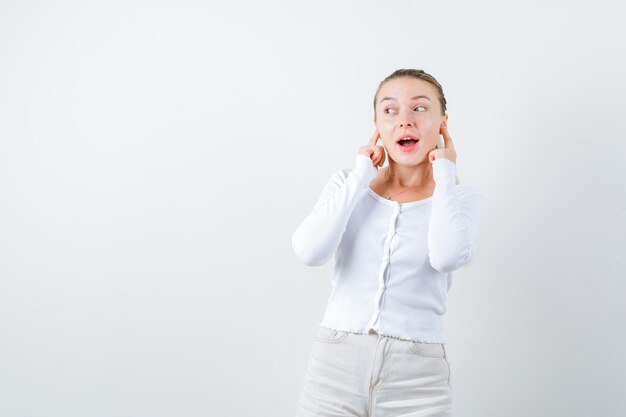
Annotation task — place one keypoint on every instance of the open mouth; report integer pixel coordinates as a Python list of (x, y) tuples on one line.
[(408, 143)]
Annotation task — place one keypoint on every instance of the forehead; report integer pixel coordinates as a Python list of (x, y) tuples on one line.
[(404, 88)]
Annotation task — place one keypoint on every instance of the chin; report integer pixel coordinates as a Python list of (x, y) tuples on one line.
[(410, 160)]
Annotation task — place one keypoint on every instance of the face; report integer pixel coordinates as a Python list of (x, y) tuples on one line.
[(408, 106)]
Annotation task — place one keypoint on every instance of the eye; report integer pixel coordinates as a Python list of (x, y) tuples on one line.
[(389, 108), (421, 107)]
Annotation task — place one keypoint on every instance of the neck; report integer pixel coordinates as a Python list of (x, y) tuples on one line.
[(404, 176)]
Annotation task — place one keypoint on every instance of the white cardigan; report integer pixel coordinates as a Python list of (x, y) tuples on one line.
[(392, 261)]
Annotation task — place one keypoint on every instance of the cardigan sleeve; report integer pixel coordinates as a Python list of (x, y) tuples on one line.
[(317, 238), (454, 221)]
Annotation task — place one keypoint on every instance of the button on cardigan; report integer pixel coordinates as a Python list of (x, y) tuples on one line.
[(392, 261)]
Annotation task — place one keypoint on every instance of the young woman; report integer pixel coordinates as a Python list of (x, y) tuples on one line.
[(395, 235)]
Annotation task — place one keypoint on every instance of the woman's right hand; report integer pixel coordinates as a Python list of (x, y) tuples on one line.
[(375, 152)]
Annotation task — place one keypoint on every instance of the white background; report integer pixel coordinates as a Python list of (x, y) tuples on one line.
[(156, 156)]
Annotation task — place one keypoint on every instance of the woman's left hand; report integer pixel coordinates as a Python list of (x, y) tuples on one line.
[(447, 151)]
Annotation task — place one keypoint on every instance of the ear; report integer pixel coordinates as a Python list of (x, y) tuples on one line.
[(445, 120)]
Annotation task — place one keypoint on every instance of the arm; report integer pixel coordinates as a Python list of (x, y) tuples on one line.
[(318, 236), (455, 219)]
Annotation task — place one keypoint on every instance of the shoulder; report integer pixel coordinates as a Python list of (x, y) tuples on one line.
[(342, 174), (363, 172), (336, 180), (339, 176)]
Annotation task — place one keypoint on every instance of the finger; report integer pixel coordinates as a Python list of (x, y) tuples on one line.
[(432, 155), (374, 138), (447, 140), (376, 155)]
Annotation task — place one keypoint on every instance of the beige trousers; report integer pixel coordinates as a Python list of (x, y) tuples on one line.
[(350, 374)]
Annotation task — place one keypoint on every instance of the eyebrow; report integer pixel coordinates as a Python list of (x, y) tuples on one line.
[(412, 98)]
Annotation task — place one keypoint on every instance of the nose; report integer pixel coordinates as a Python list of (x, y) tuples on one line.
[(406, 120)]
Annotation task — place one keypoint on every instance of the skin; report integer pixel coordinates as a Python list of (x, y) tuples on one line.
[(402, 114)]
